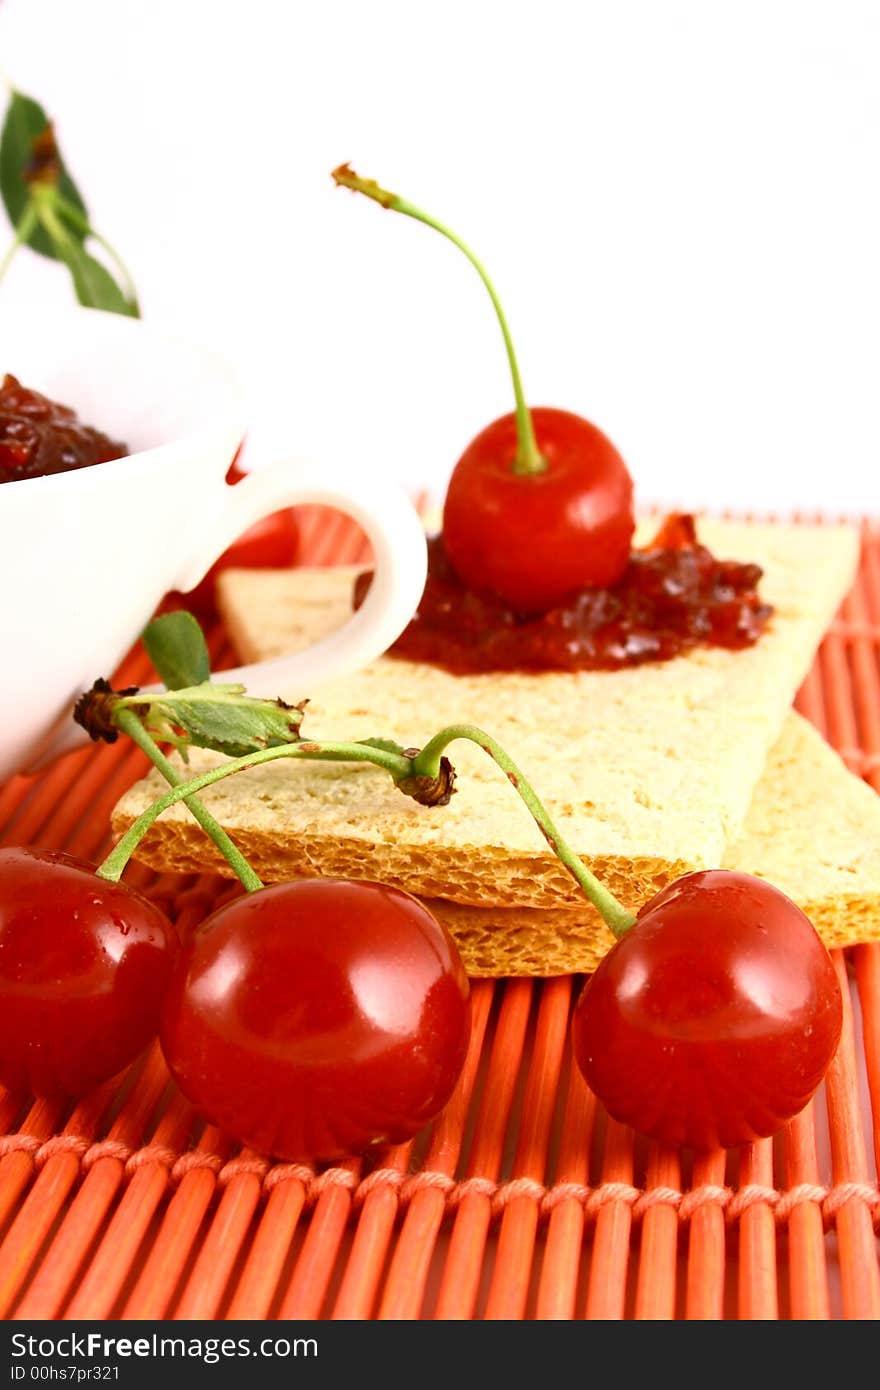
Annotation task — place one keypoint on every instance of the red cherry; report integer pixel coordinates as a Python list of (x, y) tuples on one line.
[(713, 1020), (84, 964), (271, 543), (313, 1019), (540, 504), (535, 538)]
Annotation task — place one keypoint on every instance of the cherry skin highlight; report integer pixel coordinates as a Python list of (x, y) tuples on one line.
[(533, 539), (713, 1020), (84, 965), (318, 1018)]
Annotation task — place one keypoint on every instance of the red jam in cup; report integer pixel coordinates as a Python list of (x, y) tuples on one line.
[(39, 436)]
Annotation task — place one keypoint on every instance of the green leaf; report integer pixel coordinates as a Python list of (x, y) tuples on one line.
[(94, 285), (25, 121), (387, 745), (177, 648), (241, 725), (71, 218)]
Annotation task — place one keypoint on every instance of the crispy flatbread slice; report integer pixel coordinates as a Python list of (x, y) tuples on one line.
[(813, 830), (648, 772)]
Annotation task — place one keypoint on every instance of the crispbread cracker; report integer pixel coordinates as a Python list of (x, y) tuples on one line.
[(813, 830), (648, 772)]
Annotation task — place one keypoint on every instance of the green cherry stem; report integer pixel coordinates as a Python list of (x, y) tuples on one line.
[(131, 725), (27, 224), (401, 767), (114, 865), (528, 457), (43, 199), (427, 763)]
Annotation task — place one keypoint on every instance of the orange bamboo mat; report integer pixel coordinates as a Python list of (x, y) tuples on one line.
[(522, 1202)]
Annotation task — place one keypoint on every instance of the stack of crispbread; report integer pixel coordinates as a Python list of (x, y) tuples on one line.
[(647, 772)]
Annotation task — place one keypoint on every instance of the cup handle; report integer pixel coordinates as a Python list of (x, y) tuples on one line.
[(395, 532)]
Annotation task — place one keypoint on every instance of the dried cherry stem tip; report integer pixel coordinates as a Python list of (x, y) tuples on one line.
[(528, 456)]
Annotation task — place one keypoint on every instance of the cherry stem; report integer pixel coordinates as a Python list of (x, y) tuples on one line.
[(116, 861), (427, 763), (528, 456), (400, 767), (129, 723), (27, 224)]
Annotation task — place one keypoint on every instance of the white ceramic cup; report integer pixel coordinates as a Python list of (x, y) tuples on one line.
[(85, 556)]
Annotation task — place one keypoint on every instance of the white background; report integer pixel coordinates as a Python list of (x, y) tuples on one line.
[(678, 202)]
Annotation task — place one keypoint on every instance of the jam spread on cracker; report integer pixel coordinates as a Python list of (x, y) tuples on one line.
[(38, 436), (674, 595)]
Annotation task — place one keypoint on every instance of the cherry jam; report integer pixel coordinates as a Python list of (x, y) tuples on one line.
[(673, 595), (39, 436)]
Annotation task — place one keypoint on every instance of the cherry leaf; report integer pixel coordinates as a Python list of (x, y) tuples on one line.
[(387, 745), (224, 719), (24, 123), (177, 648), (94, 285)]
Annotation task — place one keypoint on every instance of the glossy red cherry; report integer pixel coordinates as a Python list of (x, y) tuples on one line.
[(540, 505), (535, 538), (84, 965), (271, 543), (316, 1018), (714, 1018)]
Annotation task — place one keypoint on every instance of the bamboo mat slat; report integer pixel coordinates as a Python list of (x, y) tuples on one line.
[(524, 1201)]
